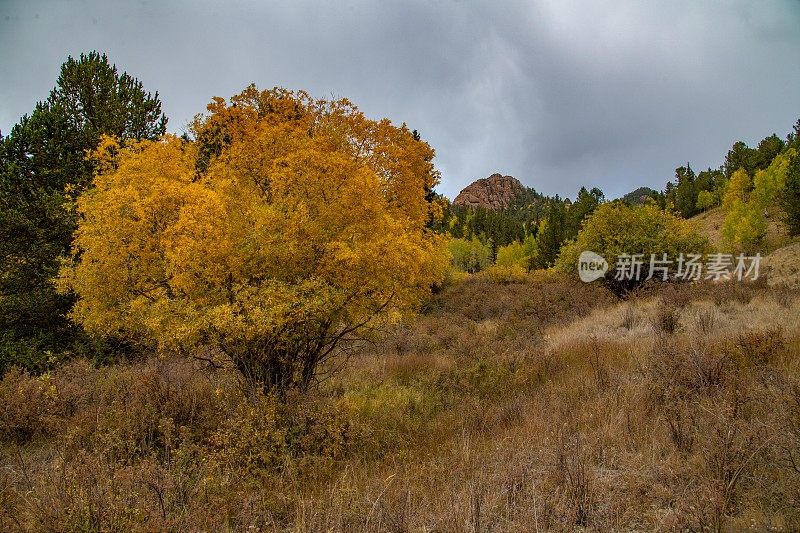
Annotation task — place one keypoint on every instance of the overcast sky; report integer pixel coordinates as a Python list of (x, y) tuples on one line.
[(557, 93)]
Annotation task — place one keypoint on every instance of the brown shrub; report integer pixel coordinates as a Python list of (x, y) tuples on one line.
[(760, 347), (29, 406), (630, 319), (667, 319), (705, 320), (553, 301), (575, 477)]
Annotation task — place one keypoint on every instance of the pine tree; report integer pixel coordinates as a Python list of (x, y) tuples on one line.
[(42, 169), (790, 199)]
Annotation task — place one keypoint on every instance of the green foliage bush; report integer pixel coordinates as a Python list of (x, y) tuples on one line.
[(706, 200), (470, 255), (506, 274), (769, 183), (746, 201), (617, 228), (513, 254), (744, 227)]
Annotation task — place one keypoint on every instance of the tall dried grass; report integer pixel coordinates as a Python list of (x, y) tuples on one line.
[(534, 406)]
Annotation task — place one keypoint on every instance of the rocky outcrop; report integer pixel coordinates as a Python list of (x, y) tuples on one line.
[(639, 196), (495, 192)]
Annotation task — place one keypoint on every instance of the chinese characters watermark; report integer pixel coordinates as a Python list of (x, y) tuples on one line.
[(685, 267)]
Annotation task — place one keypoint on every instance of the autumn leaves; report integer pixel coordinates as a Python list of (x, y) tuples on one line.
[(285, 228)]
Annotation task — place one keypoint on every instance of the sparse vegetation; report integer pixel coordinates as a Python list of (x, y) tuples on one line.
[(504, 406)]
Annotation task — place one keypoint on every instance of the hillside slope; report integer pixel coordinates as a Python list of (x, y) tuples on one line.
[(711, 222), (783, 266)]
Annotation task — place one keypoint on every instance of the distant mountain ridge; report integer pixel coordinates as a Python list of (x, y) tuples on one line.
[(495, 192)]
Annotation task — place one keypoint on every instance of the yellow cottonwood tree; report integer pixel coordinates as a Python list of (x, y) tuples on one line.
[(287, 227)]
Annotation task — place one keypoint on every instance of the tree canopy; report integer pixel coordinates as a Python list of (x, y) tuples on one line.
[(287, 227), (616, 228)]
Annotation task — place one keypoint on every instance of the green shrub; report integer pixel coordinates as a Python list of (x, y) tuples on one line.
[(746, 202), (506, 273), (744, 227), (512, 255), (470, 255), (617, 228), (706, 200)]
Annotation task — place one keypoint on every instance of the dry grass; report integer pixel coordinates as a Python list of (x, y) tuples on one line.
[(783, 267), (710, 224), (545, 406)]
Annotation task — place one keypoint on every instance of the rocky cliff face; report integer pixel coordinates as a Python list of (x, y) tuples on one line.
[(495, 192)]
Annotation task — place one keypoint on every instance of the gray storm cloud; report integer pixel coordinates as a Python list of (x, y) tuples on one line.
[(558, 94)]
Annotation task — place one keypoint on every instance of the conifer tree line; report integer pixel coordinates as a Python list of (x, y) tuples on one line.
[(533, 229), (533, 224), (690, 193)]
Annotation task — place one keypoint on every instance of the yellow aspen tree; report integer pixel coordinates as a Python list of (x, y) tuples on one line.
[(286, 229)]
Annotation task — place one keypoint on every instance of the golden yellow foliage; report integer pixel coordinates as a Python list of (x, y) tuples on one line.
[(288, 226), (738, 188)]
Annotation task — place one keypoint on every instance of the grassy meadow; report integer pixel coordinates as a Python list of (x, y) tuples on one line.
[(545, 405)]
